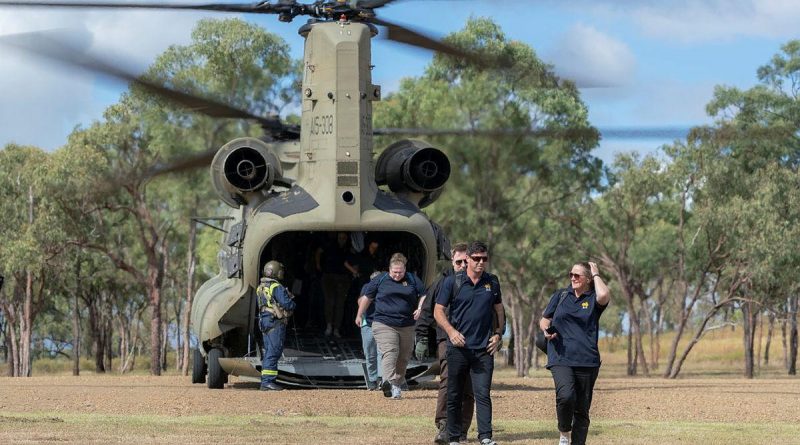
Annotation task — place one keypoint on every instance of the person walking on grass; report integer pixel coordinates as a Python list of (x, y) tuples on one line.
[(398, 296), (571, 324), (426, 322), (475, 303)]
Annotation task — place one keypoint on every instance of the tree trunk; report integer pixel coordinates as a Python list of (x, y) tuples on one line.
[(187, 309), (784, 338), (519, 337), (76, 322), (108, 333), (757, 354), (26, 332), (124, 340), (178, 335), (770, 330), (509, 358), (631, 368), (676, 369), (793, 335), (748, 322), (96, 333), (531, 349), (164, 343), (12, 344)]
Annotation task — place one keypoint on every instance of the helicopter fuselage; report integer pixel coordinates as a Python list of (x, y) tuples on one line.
[(327, 184)]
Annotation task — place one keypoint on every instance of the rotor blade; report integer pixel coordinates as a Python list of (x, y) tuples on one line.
[(605, 133), (261, 7), (46, 46), (372, 4), (407, 36), (194, 162), (561, 133)]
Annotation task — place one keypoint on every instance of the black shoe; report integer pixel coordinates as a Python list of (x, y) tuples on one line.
[(271, 386), (386, 387)]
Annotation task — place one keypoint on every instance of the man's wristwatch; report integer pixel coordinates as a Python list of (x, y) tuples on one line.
[(595, 275)]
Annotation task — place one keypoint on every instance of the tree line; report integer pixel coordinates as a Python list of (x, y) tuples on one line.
[(98, 256)]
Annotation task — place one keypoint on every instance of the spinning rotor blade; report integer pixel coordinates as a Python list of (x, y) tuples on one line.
[(402, 34), (45, 44), (261, 7), (201, 160), (571, 133), (372, 4), (567, 133)]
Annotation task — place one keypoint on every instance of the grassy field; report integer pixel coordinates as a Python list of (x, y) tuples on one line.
[(709, 404), (94, 429)]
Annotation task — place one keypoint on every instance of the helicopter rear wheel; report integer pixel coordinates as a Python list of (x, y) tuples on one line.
[(217, 377), (199, 367)]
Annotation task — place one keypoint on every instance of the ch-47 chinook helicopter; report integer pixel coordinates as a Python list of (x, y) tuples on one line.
[(302, 182), (295, 185)]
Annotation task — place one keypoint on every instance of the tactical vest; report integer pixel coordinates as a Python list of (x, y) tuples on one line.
[(265, 301)]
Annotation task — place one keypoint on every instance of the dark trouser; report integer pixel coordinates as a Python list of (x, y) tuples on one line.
[(335, 287), (477, 365), (574, 386), (274, 333), (468, 404)]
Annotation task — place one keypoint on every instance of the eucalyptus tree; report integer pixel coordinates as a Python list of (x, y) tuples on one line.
[(760, 131), (502, 187), (614, 229), (233, 61), (32, 239)]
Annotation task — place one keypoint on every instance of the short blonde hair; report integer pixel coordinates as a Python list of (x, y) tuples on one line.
[(398, 258)]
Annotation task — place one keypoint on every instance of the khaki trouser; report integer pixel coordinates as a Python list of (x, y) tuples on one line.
[(395, 345)]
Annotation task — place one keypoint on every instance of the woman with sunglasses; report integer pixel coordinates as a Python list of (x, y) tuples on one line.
[(571, 323)]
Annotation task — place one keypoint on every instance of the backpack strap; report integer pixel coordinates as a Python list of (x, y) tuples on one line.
[(561, 298), (458, 281), (383, 277)]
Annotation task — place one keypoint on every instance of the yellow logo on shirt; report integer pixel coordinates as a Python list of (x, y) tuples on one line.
[(585, 305), (487, 286)]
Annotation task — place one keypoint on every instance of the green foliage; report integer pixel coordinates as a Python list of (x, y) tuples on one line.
[(504, 189)]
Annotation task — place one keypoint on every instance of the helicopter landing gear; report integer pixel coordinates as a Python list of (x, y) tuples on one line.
[(217, 377), (199, 367)]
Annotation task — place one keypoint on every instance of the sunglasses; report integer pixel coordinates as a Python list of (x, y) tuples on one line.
[(479, 258), (460, 262), (574, 275)]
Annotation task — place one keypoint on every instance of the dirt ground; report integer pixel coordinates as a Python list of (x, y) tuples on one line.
[(718, 400)]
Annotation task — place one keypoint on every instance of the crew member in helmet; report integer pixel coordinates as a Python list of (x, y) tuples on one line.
[(275, 305)]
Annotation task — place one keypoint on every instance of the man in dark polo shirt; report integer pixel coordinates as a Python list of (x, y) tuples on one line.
[(474, 300)]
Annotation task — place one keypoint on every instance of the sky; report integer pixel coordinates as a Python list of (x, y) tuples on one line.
[(653, 63)]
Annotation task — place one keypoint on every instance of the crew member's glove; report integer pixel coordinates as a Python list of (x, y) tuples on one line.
[(421, 348)]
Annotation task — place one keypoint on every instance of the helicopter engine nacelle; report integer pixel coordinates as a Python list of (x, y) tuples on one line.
[(242, 169), (413, 166)]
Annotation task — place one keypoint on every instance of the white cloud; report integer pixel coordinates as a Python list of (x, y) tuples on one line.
[(42, 102), (706, 20), (656, 102), (592, 58)]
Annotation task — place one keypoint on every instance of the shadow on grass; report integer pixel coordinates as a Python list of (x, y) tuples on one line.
[(504, 437), (518, 387)]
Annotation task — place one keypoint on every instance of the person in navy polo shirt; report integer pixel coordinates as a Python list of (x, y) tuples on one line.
[(475, 302), (571, 323), (398, 296)]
